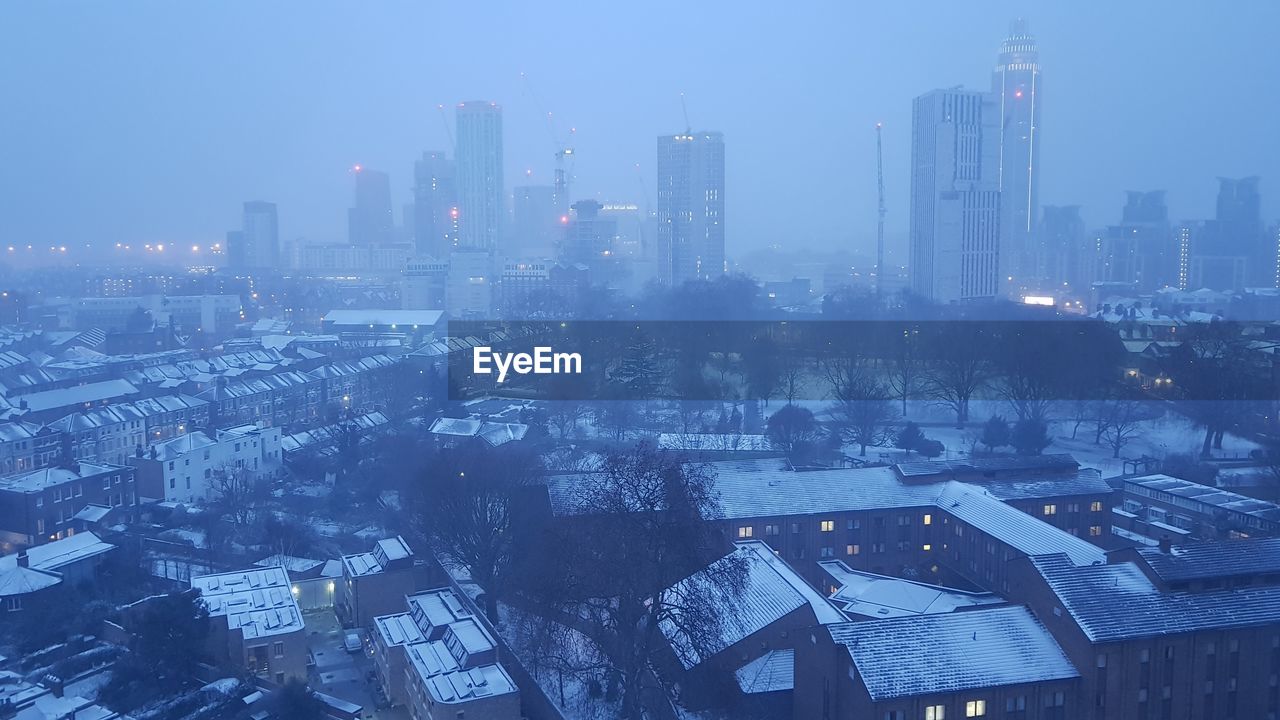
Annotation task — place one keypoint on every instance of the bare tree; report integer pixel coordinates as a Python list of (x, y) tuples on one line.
[(792, 377), (641, 527), (862, 409), (564, 416), (1121, 420), (954, 375), (465, 506), (233, 493)]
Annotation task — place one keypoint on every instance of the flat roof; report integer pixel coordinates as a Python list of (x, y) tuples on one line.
[(259, 602), (880, 596)]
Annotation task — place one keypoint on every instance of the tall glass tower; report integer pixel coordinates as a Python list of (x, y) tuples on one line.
[(1018, 87)]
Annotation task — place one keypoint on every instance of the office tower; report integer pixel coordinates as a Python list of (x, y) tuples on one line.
[(588, 240), (1142, 250), (435, 206), (236, 257), (371, 222), (691, 206), (1068, 262), (479, 176), (424, 283), (955, 196), (1017, 85), (536, 222)]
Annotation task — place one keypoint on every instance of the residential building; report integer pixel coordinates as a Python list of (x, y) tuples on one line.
[(191, 468), (57, 502), (29, 575), (435, 207), (375, 583), (256, 625), (480, 188), (691, 202)]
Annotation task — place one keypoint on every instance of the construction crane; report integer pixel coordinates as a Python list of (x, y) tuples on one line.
[(444, 120), (688, 129), (880, 213), (563, 152)]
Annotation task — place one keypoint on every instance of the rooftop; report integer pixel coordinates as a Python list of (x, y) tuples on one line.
[(463, 685), (60, 553), (385, 555), (1024, 533), (880, 596), (771, 590), (259, 601), (405, 319), (1060, 463), (1117, 602), (1206, 560), (773, 671), (53, 476), (952, 652), (1211, 496)]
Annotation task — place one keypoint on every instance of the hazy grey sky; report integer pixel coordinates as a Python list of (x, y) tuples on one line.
[(131, 121)]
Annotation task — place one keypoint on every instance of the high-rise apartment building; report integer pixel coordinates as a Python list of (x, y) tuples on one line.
[(479, 176), (691, 206), (435, 206), (370, 221)]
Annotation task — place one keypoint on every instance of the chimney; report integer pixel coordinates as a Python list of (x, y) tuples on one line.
[(1166, 545), (23, 559)]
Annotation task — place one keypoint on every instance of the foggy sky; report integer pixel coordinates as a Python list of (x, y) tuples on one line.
[(132, 121)]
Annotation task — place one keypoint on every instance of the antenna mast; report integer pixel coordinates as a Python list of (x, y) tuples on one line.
[(880, 214)]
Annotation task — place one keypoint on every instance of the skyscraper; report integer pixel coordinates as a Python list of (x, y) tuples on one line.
[(955, 196), (370, 221), (261, 234), (1018, 86), (1231, 252), (1142, 250), (435, 207), (479, 175), (690, 206)]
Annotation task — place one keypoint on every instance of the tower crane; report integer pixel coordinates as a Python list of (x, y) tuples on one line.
[(880, 214), (444, 120), (563, 152)]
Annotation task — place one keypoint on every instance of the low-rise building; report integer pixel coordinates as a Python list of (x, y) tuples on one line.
[(429, 614), (1160, 507), (27, 575), (190, 467), (376, 582), (990, 662), (56, 502), (257, 625)]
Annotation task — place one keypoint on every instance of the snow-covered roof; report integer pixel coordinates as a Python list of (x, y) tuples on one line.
[(773, 671), (493, 433), (60, 553), (1227, 558), (1118, 601), (952, 652), (433, 610), (291, 563), (52, 476), (401, 319), (881, 596), (398, 629), (771, 590), (715, 442), (78, 395), (259, 602), (474, 684), (19, 580), (1020, 531), (1208, 496), (977, 466), (386, 553)]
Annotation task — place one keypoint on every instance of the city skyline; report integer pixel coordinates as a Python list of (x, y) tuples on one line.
[(311, 191)]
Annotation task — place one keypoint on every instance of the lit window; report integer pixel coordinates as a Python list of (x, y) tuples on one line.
[(827, 525), (928, 519), (926, 547), (745, 531), (1095, 531), (1051, 509), (975, 708), (852, 550), (935, 712), (1096, 506)]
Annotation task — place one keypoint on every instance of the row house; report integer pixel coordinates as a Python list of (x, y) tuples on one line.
[(190, 468), (26, 446), (282, 399)]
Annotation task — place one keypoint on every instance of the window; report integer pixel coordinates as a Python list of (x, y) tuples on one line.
[(827, 552), (935, 712), (13, 603), (827, 525), (745, 531), (1015, 704), (926, 547), (852, 549), (928, 519), (854, 524), (1050, 509), (795, 528), (1096, 506), (39, 501), (975, 708), (1057, 699), (771, 530), (277, 649), (1095, 531)]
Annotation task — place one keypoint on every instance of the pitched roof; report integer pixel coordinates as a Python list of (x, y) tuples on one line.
[(1207, 560), (952, 652), (771, 590), (1116, 602), (1024, 533), (773, 671)]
